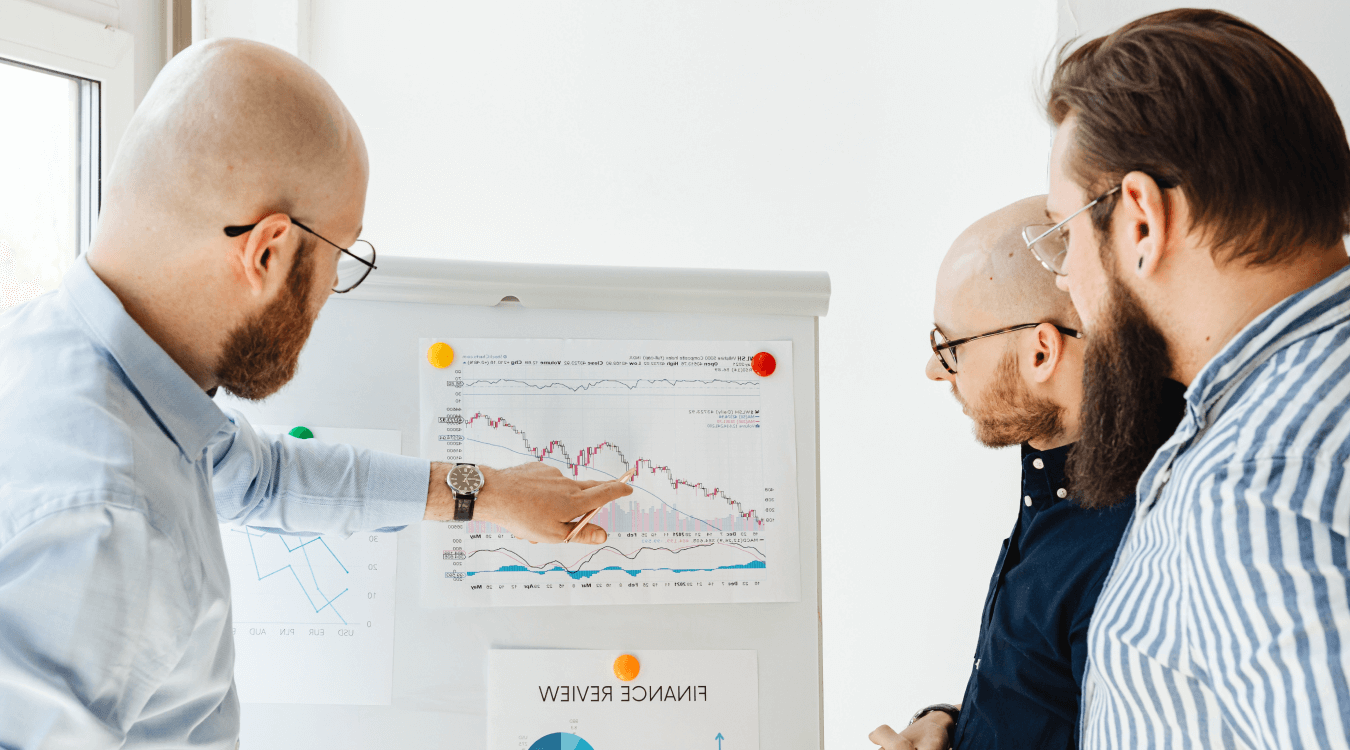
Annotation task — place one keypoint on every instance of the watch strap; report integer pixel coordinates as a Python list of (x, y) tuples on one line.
[(464, 506), (945, 708)]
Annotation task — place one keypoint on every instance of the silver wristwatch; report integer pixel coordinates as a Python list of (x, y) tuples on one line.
[(945, 708), (465, 480)]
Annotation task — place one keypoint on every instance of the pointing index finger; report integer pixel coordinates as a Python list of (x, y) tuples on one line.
[(596, 496), (605, 492), (586, 484)]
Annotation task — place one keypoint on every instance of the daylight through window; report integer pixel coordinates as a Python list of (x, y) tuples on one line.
[(49, 136)]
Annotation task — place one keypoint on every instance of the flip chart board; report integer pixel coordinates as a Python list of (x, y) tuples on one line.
[(367, 367)]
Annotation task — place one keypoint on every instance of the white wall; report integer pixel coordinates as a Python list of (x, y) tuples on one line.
[(1318, 31), (856, 137)]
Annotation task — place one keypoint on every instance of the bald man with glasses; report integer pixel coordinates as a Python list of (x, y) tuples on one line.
[(115, 626), (1008, 343)]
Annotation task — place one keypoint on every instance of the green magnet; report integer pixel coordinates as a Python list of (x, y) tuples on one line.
[(301, 432)]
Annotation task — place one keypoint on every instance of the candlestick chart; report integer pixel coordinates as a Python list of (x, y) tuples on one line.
[(711, 514)]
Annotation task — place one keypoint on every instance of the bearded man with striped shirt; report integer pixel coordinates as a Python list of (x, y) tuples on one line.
[(1202, 179)]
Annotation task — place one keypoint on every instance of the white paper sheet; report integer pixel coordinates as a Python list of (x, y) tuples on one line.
[(314, 616), (571, 700), (713, 517)]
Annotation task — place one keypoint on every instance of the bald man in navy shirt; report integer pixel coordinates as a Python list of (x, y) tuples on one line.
[(1009, 344)]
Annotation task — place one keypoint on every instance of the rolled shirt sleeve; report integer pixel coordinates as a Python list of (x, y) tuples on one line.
[(287, 485)]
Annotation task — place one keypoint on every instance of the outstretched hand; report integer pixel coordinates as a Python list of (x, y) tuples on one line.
[(533, 501), (932, 732)]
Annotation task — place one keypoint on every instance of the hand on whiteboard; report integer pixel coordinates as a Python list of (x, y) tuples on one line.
[(534, 501), (932, 732)]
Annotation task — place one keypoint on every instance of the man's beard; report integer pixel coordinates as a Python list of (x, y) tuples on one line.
[(1130, 407), (261, 354), (1011, 415)]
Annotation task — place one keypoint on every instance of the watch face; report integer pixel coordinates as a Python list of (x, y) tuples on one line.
[(466, 479)]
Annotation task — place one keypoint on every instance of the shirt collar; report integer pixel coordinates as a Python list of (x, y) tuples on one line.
[(189, 417), (1295, 317), (1043, 473)]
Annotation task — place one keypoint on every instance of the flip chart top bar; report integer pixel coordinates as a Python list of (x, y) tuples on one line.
[(569, 287)]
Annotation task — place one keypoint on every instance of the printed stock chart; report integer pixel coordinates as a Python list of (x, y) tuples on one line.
[(713, 514)]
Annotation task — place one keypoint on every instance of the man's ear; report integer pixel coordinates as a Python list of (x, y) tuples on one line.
[(258, 257), (1143, 232), (1047, 349)]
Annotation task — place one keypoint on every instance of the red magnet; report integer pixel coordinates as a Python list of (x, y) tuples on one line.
[(764, 364)]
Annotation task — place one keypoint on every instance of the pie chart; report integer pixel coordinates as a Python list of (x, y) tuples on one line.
[(561, 741)]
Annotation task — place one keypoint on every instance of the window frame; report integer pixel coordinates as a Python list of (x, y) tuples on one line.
[(39, 37)]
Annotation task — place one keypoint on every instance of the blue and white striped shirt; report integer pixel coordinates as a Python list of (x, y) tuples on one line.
[(1224, 620)]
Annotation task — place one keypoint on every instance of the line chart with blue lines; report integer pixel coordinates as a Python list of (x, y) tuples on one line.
[(310, 611), (306, 576), (706, 439)]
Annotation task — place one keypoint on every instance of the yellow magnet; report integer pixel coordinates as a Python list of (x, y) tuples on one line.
[(440, 355), (626, 667)]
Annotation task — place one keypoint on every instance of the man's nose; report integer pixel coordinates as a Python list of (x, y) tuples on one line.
[(934, 369)]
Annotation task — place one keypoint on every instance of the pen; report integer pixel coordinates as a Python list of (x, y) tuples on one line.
[(587, 518)]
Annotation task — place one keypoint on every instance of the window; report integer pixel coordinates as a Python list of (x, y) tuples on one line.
[(49, 144), (66, 96)]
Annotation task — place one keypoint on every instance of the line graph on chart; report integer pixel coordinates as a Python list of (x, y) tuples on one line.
[(517, 386), (646, 559), (293, 551), (713, 502), (309, 611)]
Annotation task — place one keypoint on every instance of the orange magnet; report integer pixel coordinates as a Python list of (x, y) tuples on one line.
[(440, 355), (626, 667), (763, 364)]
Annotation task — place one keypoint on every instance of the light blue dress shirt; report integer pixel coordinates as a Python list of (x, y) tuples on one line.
[(114, 597)]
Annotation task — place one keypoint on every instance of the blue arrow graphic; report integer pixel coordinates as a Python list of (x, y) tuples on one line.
[(719, 739)]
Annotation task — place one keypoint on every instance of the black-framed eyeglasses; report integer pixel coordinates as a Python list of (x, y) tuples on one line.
[(1050, 245), (352, 269), (941, 344)]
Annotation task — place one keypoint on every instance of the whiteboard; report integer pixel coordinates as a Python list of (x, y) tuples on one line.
[(358, 372)]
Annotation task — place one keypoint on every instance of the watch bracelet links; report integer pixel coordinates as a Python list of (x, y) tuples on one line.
[(945, 708)]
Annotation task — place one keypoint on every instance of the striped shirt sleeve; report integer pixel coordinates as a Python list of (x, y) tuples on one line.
[(1268, 610)]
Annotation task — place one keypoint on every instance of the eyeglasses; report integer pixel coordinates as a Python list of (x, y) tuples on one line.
[(351, 270), (1052, 244), (940, 342)]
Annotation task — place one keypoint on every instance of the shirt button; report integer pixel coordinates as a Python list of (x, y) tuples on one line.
[(1027, 500), (1061, 492), (1038, 463)]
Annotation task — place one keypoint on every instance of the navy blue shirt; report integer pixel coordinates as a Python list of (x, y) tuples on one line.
[(1024, 686)]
